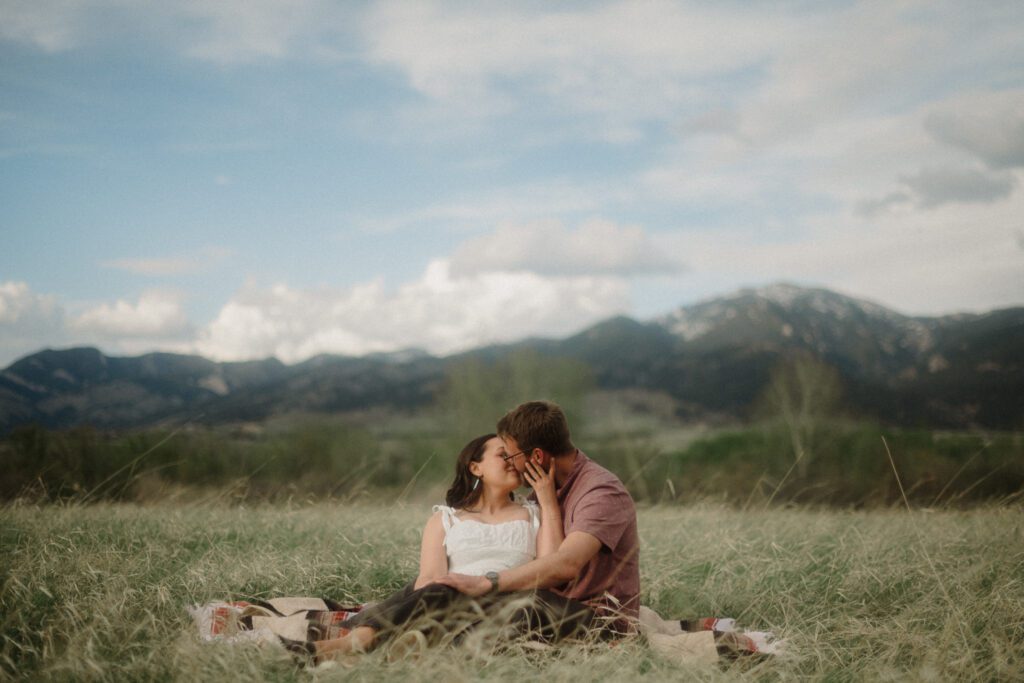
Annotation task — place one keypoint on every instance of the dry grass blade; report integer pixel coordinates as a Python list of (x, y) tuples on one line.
[(924, 552), (134, 461), (99, 592)]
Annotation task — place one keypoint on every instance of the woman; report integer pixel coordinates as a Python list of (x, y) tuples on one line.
[(482, 529)]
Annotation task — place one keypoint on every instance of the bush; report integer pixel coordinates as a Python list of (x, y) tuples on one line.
[(348, 456)]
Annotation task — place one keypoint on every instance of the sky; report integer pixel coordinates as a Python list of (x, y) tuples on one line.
[(251, 178)]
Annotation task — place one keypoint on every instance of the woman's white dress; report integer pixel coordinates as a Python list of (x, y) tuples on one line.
[(476, 548)]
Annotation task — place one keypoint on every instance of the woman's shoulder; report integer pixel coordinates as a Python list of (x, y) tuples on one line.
[(449, 514), (532, 510), (443, 514), (520, 499)]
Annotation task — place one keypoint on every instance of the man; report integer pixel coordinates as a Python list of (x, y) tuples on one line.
[(594, 575)]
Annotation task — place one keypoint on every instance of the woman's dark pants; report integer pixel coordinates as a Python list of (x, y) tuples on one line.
[(437, 610)]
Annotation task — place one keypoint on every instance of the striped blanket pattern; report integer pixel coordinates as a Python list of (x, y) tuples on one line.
[(305, 620)]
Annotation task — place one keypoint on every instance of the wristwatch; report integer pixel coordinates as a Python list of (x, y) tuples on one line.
[(493, 578)]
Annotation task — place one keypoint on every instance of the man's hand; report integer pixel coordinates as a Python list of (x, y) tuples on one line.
[(543, 483), (473, 586)]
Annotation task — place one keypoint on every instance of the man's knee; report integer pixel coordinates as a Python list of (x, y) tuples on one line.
[(555, 617)]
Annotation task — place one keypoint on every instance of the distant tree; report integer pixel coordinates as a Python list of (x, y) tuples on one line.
[(802, 391), (477, 393)]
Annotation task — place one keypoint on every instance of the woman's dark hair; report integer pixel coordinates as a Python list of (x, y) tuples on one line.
[(462, 494)]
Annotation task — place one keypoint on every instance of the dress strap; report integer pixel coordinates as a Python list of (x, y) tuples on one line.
[(447, 516), (534, 510)]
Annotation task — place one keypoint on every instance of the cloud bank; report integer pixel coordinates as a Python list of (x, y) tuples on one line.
[(441, 312), (171, 265), (30, 320), (877, 147), (597, 247)]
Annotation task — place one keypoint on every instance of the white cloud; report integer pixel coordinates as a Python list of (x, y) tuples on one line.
[(943, 185), (596, 247), (960, 257), (770, 72), (50, 25), (686, 180), (442, 312), (762, 74), (869, 208), (902, 162), (989, 126), (198, 261), (156, 315), (28, 321), (239, 31), (219, 31), (624, 61), (866, 99), (860, 59), (873, 145), (519, 203), (19, 305)]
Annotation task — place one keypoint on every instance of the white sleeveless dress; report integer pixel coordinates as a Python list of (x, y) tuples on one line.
[(476, 548)]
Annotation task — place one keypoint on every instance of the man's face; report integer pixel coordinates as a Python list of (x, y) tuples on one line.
[(518, 458)]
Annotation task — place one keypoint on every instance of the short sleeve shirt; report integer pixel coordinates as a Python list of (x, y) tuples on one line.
[(595, 501)]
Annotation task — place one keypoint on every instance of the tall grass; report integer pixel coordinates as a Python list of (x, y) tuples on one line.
[(346, 457), (849, 466), (99, 592), (322, 456)]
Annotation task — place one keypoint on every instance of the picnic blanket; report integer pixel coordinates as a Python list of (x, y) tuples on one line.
[(706, 639), (304, 620)]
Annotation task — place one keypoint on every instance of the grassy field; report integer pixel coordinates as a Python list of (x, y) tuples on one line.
[(844, 462), (99, 592)]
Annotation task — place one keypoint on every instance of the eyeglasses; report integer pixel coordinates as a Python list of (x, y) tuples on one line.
[(508, 458)]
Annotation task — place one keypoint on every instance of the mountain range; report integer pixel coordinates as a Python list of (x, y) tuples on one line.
[(714, 358)]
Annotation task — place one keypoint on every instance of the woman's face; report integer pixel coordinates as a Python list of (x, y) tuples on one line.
[(492, 468)]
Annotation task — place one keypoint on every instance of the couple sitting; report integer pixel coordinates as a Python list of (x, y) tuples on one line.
[(563, 565)]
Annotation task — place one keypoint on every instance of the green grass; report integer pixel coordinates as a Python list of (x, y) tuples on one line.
[(845, 462), (99, 592)]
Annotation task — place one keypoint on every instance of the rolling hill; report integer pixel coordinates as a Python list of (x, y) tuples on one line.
[(712, 358)]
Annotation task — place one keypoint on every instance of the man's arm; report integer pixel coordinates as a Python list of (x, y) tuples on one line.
[(563, 565)]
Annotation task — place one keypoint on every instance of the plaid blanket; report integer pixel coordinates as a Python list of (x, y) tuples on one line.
[(301, 621), (706, 639)]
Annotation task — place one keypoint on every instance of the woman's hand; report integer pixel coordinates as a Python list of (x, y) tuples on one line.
[(543, 483), (473, 586)]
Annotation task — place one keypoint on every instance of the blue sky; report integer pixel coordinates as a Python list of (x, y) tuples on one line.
[(251, 178)]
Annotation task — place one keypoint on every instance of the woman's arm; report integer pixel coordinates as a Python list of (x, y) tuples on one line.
[(433, 558), (550, 535)]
